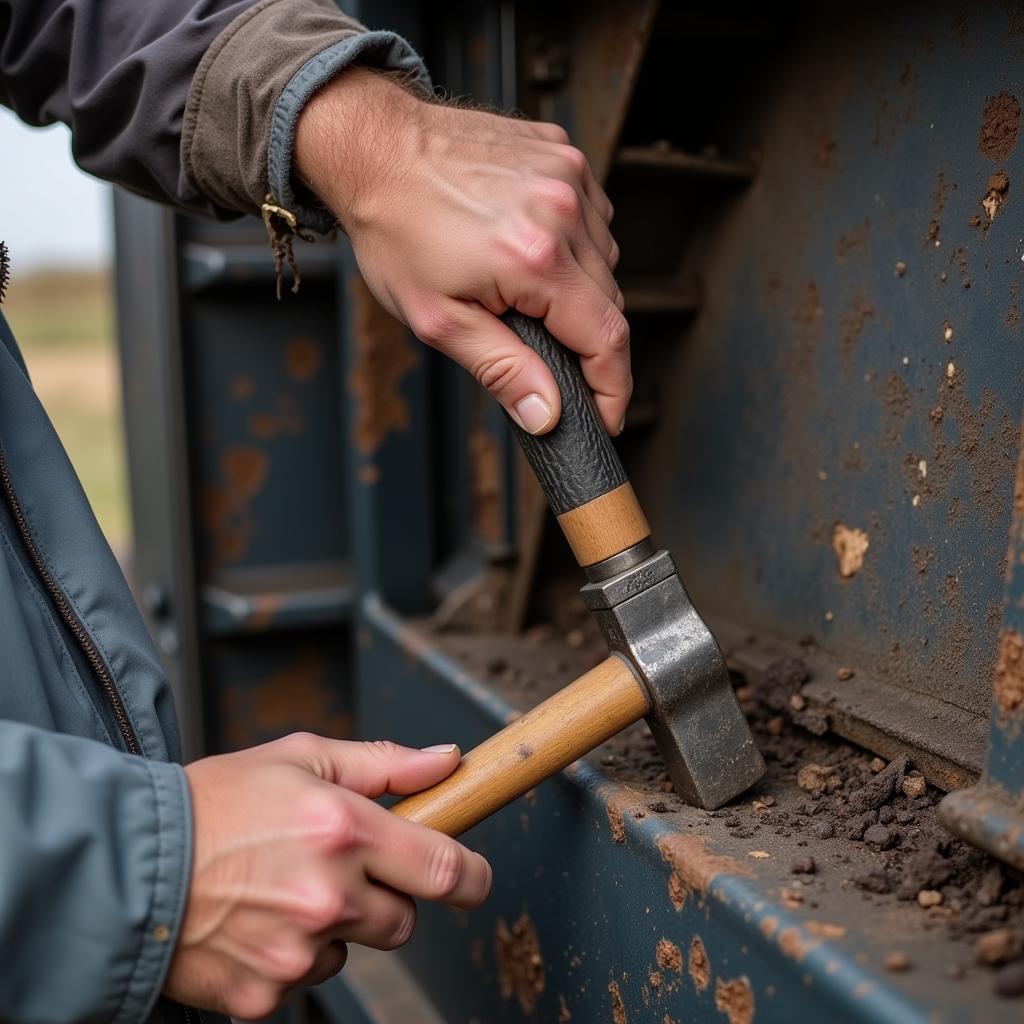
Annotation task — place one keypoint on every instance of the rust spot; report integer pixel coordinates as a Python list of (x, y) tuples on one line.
[(242, 388), (369, 474), (564, 1016), (615, 807), (694, 866), (735, 999), (303, 358), (618, 1006), (520, 964), (668, 955), (769, 926), (485, 484), (699, 965), (224, 506), (825, 930), (852, 324), (1000, 124), (850, 546), (300, 696), (1009, 686), (795, 944), (384, 354), (285, 419)]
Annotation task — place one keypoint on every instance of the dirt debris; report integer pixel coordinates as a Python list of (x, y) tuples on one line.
[(618, 1006), (1009, 679), (999, 126), (520, 964), (996, 193), (850, 545), (735, 999)]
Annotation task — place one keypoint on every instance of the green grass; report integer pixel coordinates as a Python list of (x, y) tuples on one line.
[(64, 323)]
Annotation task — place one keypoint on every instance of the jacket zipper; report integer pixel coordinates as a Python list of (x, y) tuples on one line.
[(92, 655)]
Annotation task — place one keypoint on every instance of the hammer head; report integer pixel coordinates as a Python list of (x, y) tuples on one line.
[(646, 615)]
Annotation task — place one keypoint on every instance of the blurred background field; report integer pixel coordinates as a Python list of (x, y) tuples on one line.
[(56, 222), (64, 323)]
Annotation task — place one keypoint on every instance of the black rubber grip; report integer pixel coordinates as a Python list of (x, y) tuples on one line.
[(575, 462)]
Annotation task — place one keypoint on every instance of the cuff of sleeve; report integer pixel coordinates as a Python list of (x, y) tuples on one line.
[(172, 866), (384, 51)]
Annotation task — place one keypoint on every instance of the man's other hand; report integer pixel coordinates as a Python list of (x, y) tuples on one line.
[(457, 215), (293, 859)]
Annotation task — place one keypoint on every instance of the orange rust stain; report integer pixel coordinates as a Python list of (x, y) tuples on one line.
[(285, 419), (825, 929), (795, 944), (384, 354), (735, 999), (485, 484), (303, 358), (699, 965), (369, 474), (299, 697), (694, 866), (1009, 684), (224, 506), (769, 926), (520, 964), (668, 955), (242, 388), (618, 1006)]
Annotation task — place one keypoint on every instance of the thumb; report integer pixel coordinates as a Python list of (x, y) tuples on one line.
[(381, 766), (513, 373)]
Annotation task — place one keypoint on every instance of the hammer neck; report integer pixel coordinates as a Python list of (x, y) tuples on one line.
[(603, 570)]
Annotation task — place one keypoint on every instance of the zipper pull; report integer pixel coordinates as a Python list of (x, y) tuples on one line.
[(282, 225)]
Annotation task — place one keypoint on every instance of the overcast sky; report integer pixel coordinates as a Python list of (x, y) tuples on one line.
[(51, 213)]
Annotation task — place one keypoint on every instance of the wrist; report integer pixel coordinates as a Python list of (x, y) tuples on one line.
[(352, 139)]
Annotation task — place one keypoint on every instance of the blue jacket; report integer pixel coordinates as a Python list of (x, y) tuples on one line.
[(95, 822)]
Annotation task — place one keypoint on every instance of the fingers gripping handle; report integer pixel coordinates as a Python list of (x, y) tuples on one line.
[(576, 464), (534, 747)]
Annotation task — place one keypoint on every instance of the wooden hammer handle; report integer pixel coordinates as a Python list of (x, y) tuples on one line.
[(545, 740)]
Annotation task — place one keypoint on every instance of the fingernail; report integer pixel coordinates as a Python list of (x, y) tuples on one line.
[(622, 425), (440, 748), (533, 413)]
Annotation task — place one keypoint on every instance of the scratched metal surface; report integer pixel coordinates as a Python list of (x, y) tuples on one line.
[(805, 395)]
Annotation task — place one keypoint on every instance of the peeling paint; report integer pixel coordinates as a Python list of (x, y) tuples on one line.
[(699, 966), (1009, 684), (668, 955)]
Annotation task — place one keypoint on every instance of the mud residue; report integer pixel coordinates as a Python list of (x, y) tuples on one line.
[(614, 810), (520, 964), (618, 1006), (303, 358), (224, 506), (668, 955), (1000, 124), (855, 238), (694, 866), (384, 354), (851, 326), (699, 966), (940, 196), (850, 546), (896, 399), (1009, 685), (735, 999)]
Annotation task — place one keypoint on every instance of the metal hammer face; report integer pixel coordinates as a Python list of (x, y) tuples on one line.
[(646, 615)]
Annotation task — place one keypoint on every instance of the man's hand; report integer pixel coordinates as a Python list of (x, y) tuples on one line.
[(458, 215), (293, 859)]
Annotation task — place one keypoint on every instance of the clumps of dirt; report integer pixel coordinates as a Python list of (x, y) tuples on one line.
[(735, 999), (1000, 124), (698, 965), (520, 964), (850, 545)]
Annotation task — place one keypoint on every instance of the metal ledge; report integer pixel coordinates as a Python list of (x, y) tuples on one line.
[(618, 896)]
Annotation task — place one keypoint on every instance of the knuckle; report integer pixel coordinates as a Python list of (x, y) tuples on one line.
[(557, 133), (445, 870), (560, 197), (541, 253), (383, 749), (613, 256), (614, 330), (576, 160), (329, 819), (432, 325), (287, 963), (403, 927), (325, 905), (499, 374)]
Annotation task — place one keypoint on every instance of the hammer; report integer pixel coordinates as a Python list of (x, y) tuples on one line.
[(664, 665)]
